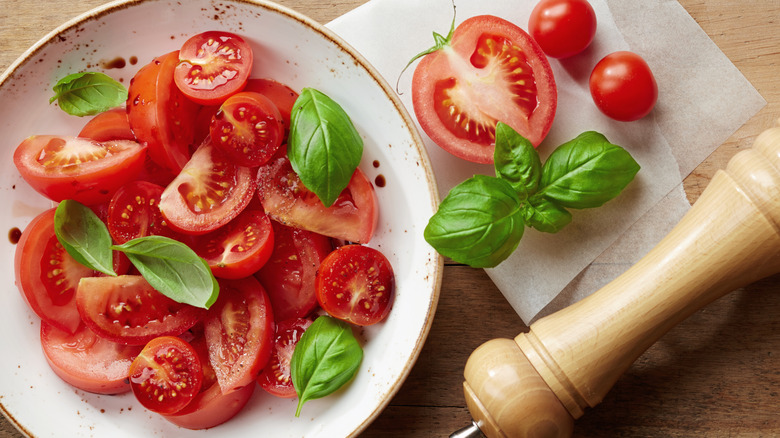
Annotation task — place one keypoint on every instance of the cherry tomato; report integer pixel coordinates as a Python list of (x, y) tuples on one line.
[(353, 217), (239, 248), (84, 170), (239, 332), (160, 115), (281, 95), (493, 71), (289, 274), (247, 128), (167, 375), (211, 407), (212, 66), (623, 86), (134, 212), (355, 283), (276, 378), (109, 125), (562, 28), (126, 309), (87, 361), (208, 193)]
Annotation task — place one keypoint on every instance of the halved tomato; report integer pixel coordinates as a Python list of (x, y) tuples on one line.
[(276, 378), (84, 170), (353, 217), (134, 212), (281, 95), (490, 71), (108, 125)]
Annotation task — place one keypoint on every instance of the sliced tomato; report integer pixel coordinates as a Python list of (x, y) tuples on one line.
[(167, 375), (211, 407), (492, 71), (212, 66), (239, 332), (276, 378), (160, 115), (210, 192), (126, 309), (239, 248), (84, 170), (281, 95), (108, 125), (154, 173), (87, 361), (356, 283), (247, 128), (289, 274), (134, 212), (46, 275), (353, 217)]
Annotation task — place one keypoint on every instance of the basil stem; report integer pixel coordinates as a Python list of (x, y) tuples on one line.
[(88, 93), (84, 236)]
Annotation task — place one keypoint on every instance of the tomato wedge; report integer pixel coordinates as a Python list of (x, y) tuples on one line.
[(492, 71), (84, 170), (281, 95), (108, 125), (276, 378), (134, 212), (211, 407)]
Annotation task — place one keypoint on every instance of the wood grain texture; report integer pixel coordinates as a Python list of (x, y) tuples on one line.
[(714, 375)]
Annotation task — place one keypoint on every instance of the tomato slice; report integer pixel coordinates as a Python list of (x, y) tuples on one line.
[(134, 212), (353, 217), (276, 378), (289, 274), (167, 375), (239, 332), (239, 248), (108, 125), (208, 193), (126, 309), (212, 66), (281, 95), (64, 167), (87, 361), (247, 128), (211, 407), (356, 283), (492, 71), (160, 115)]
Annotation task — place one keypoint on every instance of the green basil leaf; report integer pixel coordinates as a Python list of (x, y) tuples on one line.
[(479, 223), (545, 215), (326, 357), (323, 146), (89, 93), (516, 161), (587, 171), (173, 269), (84, 236)]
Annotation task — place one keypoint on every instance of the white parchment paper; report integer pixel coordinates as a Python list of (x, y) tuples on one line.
[(703, 98)]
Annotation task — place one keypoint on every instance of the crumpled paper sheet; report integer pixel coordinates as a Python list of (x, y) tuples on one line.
[(703, 99)]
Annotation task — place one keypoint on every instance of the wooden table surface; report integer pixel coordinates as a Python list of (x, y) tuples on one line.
[(717, 374)]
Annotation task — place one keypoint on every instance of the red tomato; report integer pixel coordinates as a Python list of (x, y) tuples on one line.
[(239, 248), (211, 407), (493, 71), (355, 283), (62, 167), (134, 212), (352, 217), (239, 332), (46, 275), (623, 86), (87, 361), (276, 378), (281, 95), (160, 115), (289, 274), (126, 309), (109, 125), (208, 193), (167, 375), (212, 66), (562, 28), (247, 128)]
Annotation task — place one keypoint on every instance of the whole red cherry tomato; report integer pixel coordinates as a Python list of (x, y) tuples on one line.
[(623, 86), (562, 28)]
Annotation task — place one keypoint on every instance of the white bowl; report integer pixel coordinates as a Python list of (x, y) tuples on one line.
[(290, 48)]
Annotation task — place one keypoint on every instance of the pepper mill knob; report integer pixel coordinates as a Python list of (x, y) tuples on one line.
[(538, 383)]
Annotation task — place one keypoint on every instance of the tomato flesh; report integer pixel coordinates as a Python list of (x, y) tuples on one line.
[(134, 212), (108, 125), (276, 378), (281, 95), (211, 407)]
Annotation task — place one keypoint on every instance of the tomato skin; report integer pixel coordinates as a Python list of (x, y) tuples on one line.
[(87, 361), (474, 82), (276, 378), (134, 212), (167, 375), (65, 167), (281, 95), (212, 66), (211, 408), (108, 125), (623, 86), (355, 283), (563, 28)]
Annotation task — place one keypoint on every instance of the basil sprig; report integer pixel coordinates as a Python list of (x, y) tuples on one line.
[(481, 221), (171, 267), (88, 93), (326, 357), (323, 146)]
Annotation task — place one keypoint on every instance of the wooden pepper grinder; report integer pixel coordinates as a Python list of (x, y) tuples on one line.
[(538, 383)]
